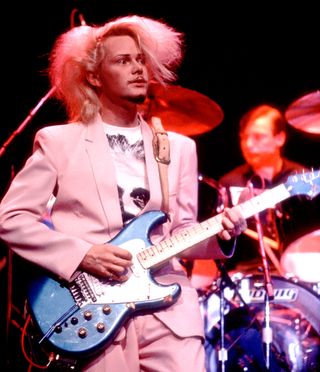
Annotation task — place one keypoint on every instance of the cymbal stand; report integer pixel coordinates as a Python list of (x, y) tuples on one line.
[(269, 293), (223, 352), (224, 282)]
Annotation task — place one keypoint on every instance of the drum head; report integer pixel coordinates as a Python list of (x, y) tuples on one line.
[(294, 322), (301, 258)]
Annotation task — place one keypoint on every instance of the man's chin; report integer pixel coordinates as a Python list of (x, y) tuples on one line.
[(139, 99), (254, 160), (257, 161)]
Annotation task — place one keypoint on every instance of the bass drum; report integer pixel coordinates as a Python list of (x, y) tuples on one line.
[(294, 320)]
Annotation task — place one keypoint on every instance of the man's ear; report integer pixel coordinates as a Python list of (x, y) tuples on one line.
[(281, 138), (93, 79)]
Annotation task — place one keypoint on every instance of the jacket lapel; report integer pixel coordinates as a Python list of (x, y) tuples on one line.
[(97, 147)]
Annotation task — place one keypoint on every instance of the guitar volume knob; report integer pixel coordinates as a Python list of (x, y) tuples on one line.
[(101, 327), (87, 315), (82, 333), (106, 309)]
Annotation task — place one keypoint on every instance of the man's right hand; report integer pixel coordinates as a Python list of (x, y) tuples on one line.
[(107, 261)]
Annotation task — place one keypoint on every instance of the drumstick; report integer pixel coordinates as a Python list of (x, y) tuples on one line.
[(253, 234)]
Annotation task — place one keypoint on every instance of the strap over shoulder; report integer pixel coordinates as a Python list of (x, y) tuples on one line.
[(161, 148), (161, 151)]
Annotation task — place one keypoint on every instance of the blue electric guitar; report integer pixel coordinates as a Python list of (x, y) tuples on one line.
[(82, 317)]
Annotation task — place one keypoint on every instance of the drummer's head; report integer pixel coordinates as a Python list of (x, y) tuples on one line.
[(262, 135)]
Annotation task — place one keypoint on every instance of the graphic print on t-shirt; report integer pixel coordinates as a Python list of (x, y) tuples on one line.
[(129, 160)]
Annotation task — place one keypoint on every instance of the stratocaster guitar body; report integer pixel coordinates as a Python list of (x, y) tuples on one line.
[(80, 318)]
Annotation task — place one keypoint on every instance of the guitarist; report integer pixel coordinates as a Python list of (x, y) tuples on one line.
[(101, 170)]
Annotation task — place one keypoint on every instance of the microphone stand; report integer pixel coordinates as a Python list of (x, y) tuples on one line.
[(269, 293), (45, 97), (26, 121)]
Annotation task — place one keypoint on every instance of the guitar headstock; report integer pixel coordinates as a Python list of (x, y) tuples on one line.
[(305, 183)]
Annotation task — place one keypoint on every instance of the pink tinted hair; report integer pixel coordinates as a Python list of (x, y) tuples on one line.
[(81, 50)]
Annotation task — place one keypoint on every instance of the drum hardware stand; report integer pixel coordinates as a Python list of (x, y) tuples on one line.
[(269, 293), (224, 282)]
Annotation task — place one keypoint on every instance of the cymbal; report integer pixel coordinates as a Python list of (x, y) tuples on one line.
[(181, 110), (301, 258), (304, 113)]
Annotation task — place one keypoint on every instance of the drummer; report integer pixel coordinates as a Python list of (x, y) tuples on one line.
[(262, 136)]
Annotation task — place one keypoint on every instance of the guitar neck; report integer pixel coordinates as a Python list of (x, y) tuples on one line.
[(186, 238)]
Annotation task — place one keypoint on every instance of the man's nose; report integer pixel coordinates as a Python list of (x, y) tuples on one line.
[(137, 67)]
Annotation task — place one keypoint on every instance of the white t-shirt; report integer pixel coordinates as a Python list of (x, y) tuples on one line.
[(128, 154)]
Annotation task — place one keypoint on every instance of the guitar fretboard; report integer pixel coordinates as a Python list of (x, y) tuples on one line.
[(186, 238)]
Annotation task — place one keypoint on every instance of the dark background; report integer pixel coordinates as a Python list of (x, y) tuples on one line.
[(239, 54)]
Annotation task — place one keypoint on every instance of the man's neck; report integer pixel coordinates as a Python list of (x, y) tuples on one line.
[(268, 172), (122, 120), (119, 115)]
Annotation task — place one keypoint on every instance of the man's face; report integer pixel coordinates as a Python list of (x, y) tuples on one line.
[(258, 143), (123, 74)]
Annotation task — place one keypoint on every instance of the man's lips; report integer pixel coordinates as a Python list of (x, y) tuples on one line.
[(138, 81)]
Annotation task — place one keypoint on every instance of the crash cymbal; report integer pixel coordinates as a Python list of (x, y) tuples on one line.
[(304, 113), (181, 110)]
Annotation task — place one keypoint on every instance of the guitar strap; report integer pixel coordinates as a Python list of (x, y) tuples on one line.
[(161, 151)]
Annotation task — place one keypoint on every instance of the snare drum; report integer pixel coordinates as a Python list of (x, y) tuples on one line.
[(294, 320)]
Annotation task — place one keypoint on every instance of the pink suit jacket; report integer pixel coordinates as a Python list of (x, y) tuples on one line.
[(73, 161)]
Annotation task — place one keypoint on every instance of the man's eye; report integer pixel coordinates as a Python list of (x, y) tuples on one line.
[(121, 61), (141, 60)]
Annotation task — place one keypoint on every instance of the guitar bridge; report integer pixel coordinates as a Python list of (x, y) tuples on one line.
[(81, 291)]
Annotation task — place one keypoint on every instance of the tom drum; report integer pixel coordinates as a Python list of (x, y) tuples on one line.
[(294, 320)]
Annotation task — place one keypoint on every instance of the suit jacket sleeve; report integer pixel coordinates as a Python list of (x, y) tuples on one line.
[(22, 208)]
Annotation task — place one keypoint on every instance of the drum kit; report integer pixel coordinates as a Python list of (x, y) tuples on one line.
[(245, 329)]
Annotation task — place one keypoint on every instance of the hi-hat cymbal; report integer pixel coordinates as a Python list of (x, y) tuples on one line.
[(304, 113), (181, 110)]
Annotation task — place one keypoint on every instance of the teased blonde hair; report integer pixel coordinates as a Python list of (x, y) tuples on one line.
[(81, 50)]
